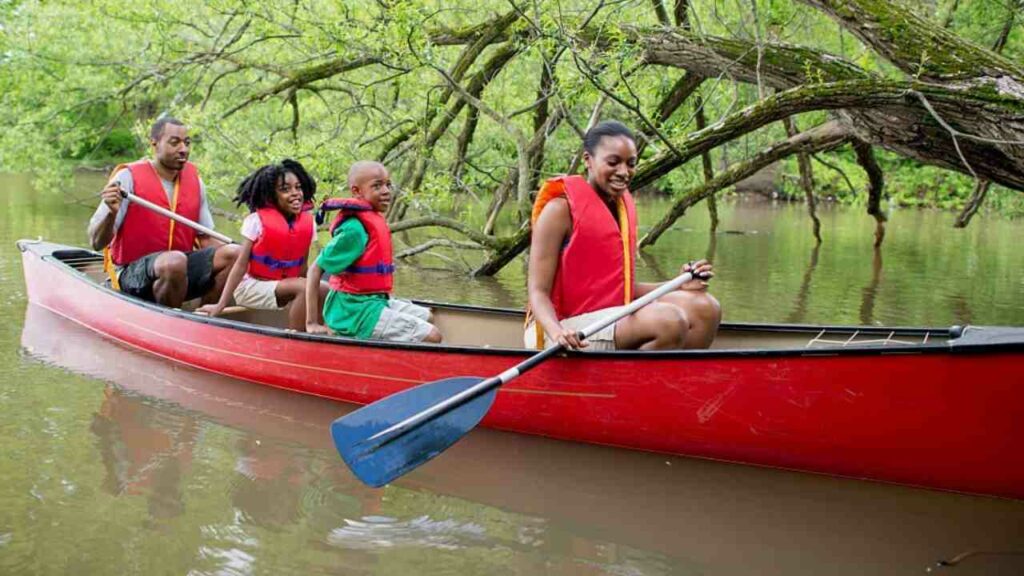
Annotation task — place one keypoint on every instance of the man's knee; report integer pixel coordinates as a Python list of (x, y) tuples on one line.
[(171, 265), (225, 256)]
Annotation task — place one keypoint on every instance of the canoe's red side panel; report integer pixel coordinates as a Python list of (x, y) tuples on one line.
[(941, 420)]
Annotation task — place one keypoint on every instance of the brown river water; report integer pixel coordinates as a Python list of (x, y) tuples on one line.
[(117, 462)]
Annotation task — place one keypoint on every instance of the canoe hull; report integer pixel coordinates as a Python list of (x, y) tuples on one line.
[(931, 417)]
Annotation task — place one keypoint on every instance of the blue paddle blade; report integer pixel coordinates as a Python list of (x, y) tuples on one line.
[(379, 461)]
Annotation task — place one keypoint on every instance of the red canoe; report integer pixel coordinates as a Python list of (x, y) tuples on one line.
[(907, 405)]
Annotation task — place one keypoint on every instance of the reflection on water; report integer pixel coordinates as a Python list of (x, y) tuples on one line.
[(799, 313), (144, 451), (250, 475), (374, 532), (870, 292)]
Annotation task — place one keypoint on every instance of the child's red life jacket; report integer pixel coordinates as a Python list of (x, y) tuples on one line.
[(596, 267), (143, 231), (373, 272), (281, 250)]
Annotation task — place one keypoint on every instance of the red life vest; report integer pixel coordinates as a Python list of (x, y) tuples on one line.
[(372, 273), (596, 268), (281, 250), (143, 231)]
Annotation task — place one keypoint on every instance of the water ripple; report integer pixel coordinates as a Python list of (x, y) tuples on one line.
[(379, 532)]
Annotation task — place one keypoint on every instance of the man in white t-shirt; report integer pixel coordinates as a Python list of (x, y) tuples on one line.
[(155, 258)]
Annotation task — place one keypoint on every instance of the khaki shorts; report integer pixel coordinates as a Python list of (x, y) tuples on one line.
[(256, 294), (603, 340), (403, 321)]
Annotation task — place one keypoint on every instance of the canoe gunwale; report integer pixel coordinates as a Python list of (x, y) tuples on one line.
[(47, 252)]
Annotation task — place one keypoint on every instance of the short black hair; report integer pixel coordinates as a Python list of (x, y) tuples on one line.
[(606, 129), (158, 127), (259, 188)]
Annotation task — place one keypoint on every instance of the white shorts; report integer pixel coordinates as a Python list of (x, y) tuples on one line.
[(603, 340), (256, 294), (403, 321)]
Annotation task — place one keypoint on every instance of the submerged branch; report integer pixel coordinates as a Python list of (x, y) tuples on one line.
[(981, 188), (876, 185)]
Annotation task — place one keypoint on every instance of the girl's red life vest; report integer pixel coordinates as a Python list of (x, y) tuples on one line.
[(281, 250), (371, 273), (596, 266), (143, 231)]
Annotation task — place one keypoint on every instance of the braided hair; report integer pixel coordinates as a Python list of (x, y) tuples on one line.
[(259, 189)]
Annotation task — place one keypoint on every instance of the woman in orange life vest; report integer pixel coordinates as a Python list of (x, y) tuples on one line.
[(582, 261), (270, 271)]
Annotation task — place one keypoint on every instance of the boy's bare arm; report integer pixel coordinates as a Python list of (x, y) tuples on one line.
[(313, 326)]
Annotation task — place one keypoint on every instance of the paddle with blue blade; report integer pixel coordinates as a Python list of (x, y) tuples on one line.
[(386, 439)]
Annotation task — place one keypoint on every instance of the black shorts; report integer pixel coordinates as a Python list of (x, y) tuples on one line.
[(137, 278)]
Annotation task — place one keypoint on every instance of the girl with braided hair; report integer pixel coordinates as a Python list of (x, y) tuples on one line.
[(269, 274)]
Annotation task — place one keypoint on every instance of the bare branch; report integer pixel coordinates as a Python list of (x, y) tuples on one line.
[(981, 188), (824, 137), (523, 190), (451, 224), (434, 243), (306, 76)]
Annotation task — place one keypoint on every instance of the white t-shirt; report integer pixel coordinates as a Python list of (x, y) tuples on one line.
[(252, 228)]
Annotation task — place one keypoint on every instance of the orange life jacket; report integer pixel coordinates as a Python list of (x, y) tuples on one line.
[(281, 250), (596, 267)]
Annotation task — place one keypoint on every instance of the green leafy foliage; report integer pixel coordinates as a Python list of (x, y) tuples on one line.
[(331, 82)]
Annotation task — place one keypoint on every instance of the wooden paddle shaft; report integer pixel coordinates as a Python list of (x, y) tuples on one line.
[(176, 217), (388, 434)]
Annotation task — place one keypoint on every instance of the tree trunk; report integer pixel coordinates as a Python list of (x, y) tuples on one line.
[(991, 107), (512, 248), (876, 184), (705, 161)]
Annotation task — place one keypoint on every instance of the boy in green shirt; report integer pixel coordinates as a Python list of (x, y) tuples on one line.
[(358, 259)]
